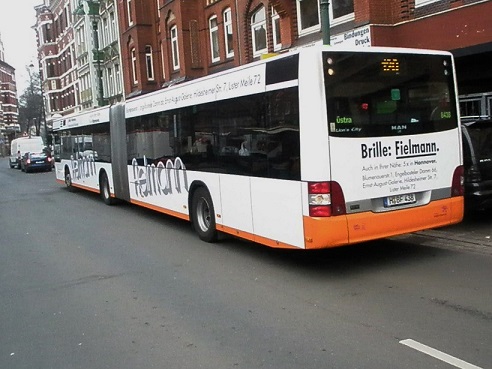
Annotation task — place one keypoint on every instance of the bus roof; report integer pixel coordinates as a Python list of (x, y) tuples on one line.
[(239, 81), (95, 116)]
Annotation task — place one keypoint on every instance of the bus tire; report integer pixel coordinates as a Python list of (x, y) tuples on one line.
[(68, 180), (104, 189), (203, 215)]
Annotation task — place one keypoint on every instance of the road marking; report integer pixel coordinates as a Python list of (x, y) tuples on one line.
[(438, 354)]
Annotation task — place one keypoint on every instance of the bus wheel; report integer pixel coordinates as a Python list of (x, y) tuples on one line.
[(104, 190), (68, 180), (203, 215)]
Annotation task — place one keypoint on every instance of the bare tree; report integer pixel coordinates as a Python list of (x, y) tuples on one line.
[(31, 104)]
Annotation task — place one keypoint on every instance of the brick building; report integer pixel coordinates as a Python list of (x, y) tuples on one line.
[(163, 42), (78, 54), (56, 57), (459, 26), (9, 111)]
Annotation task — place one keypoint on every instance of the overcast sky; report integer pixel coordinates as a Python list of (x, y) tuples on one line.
[(19, 39)]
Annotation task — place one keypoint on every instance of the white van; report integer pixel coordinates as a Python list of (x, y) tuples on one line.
[(21, 145)]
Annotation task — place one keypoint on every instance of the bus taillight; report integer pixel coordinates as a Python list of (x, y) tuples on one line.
[(457, 187), (325, 199)]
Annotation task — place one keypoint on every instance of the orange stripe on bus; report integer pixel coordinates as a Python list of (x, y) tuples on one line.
[(87, 188), (325, 232), (347, 229), (160, 209), (82, 187), (364, 227), (254, 238), (361, 227)]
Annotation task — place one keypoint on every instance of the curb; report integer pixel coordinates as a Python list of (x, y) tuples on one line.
[(458, 241)]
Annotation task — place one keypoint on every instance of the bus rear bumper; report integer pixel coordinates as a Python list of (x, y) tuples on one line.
[(361, 227)]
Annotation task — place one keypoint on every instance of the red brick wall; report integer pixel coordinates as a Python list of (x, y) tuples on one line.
[(141, 33), (379, 12), (454, 29)]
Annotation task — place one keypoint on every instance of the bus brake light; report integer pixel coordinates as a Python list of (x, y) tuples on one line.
[(325, 199), (318, 187), (457, 186)]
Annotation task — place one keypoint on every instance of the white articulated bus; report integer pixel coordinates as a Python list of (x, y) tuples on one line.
[(316, 148)]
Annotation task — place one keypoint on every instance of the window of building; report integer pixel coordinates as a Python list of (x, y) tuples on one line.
[(134, 65), (419, 3), (50, 70), (47, 34), (175, 47), (258, 31), (117, 73), (113, 27), (308, 16), (105, 36), (163, 66), (80, 40), (229, 46), (130, 14), (110, 82), (341, 11), (277, 37), (214, 39), (149, 62)]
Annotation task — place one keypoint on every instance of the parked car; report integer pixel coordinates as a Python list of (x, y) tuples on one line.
[(22, 145), (41, 161), (477, 160), (47, 151)]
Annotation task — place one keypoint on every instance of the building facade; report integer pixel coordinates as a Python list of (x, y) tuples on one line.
[(97, 53), (147, 45), (459, 26), (79, 55), (56, 57), (9, 111)]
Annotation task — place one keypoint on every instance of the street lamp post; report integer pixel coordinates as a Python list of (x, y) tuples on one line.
[(96, 52), (325, 21)]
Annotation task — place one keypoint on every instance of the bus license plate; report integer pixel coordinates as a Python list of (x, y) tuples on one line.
[(396, 200)]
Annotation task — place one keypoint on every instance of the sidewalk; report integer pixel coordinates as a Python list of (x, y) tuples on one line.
[(461, 237)]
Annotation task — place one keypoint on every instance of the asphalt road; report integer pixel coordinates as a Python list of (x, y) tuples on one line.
[(84, 285)]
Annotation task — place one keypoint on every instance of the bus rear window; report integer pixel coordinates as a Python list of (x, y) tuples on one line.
[(375, 94)]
